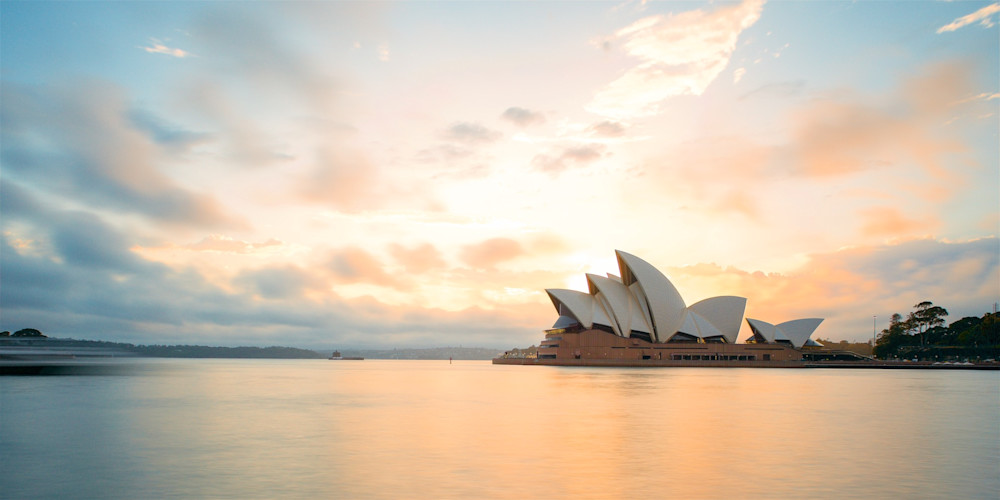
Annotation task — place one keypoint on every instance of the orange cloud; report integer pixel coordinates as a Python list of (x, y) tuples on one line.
[(889, 222), (220, 243), (840, 135), (354, 265), (848, 286), (489, 253), (418, 259)]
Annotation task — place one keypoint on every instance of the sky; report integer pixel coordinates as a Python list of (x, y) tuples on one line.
[(416, 174)]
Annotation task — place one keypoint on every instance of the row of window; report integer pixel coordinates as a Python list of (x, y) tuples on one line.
[(718, 357)]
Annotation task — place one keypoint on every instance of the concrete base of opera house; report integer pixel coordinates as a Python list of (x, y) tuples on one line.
[(577, 347)]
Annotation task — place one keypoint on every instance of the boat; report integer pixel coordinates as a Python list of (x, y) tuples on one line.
[(338, 357)]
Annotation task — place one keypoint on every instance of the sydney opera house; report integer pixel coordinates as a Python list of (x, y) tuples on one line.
[(638, 318)]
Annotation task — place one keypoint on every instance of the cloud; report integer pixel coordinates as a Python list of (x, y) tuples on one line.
[(982, 16), (84, 240), (489, 253), (147, 303), (341, 179), (278, 282), (608, 128), (678, 55), (226, 244), (243, 50), (345, 179), (72, 273), (157, 47), (846, 133), (834, 138), (523, 117), (568, 157), (355, 265), (81, 143), (418, 259), (848, 286), (471, 133), (888, 222), (165, 134), (738, 74)]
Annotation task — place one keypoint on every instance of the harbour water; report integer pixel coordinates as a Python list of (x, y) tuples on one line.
[(469, 429)]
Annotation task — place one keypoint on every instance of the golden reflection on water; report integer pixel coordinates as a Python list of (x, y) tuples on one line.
[(429, 429)]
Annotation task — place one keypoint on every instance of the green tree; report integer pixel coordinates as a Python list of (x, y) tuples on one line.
[(28, 332), (984, 333), (956, 329), (890, 339), (926, 316)]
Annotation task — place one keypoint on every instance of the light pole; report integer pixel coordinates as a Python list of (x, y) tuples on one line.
[(873, 335)]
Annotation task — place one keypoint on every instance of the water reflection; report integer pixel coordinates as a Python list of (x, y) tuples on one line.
[(390, 429)]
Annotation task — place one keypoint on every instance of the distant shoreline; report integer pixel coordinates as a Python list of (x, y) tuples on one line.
[(11, 347)]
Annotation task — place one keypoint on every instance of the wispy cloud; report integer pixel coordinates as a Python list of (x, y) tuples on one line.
[(572, 156), (471, 133), (679, 55), (418, 259), (889, 222), (491, 252), (983, 16), (847, 286), (157, 47), (226, 244), (82, 143), (523, 117)]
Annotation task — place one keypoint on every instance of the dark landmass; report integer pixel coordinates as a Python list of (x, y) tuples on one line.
[(200, 351), (98, 348)]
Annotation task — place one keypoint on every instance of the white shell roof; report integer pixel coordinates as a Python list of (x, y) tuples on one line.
[(763, 328), (580, 305), (625, 308), (666, 307), (642, 299), (796, 331), (725, 313)]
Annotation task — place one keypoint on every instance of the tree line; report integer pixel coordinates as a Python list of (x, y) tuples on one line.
[(922, 334)]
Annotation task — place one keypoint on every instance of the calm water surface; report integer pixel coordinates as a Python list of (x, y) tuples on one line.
[(429, 429)]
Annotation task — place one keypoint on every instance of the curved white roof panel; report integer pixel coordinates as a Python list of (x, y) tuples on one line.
[(603, 314), (616, 296), (577, 304), (798, 331), (725, 313), (705, 328), (762, 328), (643, 300), (666, 307), (624, 305)]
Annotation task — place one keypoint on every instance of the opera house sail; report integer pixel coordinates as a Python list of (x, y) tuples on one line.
[(639, 318)]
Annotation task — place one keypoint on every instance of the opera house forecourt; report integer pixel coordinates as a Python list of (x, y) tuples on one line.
[(640, 319)]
